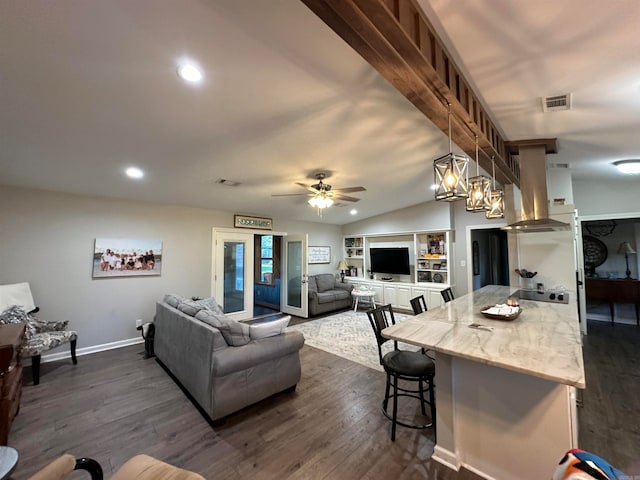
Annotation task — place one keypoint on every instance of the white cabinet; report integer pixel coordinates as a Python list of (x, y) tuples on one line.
[(398, 295), (434, 299), (379, 296)]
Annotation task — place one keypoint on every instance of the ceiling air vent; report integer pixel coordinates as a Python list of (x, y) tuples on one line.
[(556, 103), (228, 183)]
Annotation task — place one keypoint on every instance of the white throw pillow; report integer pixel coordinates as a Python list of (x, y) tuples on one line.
[(16, 294), (269, 329)]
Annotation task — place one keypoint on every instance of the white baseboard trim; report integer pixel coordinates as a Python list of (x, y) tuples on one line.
[(53, 357), (446, 458), (479, 473)]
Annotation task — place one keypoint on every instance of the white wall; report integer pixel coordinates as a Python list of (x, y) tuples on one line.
[(47, 239), (423, 217), (615, 199)]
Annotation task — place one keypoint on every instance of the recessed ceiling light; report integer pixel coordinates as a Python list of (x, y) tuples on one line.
[(189, 72), (628, 166), (134, 172), (353, 211)]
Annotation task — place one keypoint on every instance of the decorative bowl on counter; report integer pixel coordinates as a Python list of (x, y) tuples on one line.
[(501, 312)]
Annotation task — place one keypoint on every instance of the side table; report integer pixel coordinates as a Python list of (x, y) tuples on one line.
[(8, 461), (359, 296)]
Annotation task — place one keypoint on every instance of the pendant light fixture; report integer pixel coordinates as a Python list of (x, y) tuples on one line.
[(450, 173), (496, 204), (479, 190)]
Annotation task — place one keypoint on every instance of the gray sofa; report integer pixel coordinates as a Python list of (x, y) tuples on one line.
[(222, 378), (326, 294)]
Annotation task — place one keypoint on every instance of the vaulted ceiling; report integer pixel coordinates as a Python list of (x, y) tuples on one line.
[(89, 88)]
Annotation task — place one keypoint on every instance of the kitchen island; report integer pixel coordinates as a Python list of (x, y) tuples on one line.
[(505, 398)]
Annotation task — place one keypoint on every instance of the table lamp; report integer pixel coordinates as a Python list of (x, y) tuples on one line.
[(626, 249), (342, 266)]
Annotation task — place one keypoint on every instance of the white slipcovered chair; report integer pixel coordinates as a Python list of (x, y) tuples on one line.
[(16, 306)]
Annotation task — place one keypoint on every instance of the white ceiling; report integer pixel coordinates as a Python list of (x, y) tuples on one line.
[(88, 88)]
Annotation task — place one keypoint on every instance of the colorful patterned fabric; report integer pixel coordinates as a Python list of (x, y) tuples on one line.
[(41, 335), (580, 465), (42, 342)]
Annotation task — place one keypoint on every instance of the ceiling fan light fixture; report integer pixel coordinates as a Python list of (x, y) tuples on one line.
[(631, 167), (321, 201), (450, 174)]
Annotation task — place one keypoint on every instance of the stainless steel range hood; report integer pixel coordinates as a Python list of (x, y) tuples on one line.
[(533, 189)]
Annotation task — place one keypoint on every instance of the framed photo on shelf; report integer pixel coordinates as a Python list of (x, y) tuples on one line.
[(436, 266), (353, 271), (424, 276), (423, 264), (443, 265)]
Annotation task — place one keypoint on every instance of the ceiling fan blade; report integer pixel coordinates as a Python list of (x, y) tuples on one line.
[(338, 196), (307, 187), (292, 195), (350, 190)]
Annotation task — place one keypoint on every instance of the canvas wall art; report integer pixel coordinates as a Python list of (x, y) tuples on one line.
[(125, 257)]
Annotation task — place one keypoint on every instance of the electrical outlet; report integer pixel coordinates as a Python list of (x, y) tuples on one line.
[(138, 323), (463, 263)]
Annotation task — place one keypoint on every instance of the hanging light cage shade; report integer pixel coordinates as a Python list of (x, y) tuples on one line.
[(450, 173), (479, 199), (496, 209)]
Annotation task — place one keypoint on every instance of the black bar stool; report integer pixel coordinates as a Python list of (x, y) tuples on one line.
[(403, 365)]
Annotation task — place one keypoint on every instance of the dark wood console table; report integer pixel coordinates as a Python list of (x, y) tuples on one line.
[(11, 338), (614, 291)]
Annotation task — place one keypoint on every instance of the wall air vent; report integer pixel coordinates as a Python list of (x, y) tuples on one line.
[(562, 165), (556, 103)]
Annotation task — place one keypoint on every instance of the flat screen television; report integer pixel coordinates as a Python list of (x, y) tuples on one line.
[(390, 260)]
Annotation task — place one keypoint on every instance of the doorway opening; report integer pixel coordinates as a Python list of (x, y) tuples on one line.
[(489, 258), (267, 266)]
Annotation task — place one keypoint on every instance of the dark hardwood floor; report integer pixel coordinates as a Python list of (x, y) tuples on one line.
[(116, 404), (609, 422)]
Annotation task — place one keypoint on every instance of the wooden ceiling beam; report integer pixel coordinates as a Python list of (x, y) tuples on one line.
[(396, 38)]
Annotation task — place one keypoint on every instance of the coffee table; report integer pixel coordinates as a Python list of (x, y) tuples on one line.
[(360, 295)]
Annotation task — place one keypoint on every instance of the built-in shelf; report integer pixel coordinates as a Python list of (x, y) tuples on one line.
[(428, 253)]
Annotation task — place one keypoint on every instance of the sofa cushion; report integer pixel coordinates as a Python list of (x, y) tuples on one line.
[(326, 297), (210, 304), (341, 294), (325, 281), (269, 329), (190, 307), (173, 300), (235, 333), (313, 286)]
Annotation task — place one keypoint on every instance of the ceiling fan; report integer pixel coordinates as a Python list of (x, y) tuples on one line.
[(322, 195), (325, 190)]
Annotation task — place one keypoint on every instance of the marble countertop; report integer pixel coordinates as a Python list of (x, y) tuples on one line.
[(544, 341)]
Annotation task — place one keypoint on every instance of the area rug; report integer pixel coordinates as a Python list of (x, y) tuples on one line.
[(349, 335)]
